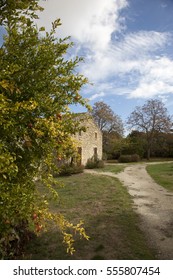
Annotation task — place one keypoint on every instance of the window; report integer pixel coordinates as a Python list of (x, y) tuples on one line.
[(95, 135)]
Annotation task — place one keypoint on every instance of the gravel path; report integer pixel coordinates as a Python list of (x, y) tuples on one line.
[(153, 203)]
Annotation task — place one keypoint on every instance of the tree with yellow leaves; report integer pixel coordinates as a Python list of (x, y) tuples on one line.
[(37, 84)]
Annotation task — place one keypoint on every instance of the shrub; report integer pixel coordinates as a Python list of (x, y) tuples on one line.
[(65, 170), (18, 236), (78, 169), (129, 158), (35, 123), (124, 158), (94, 163), (90, 164), (69, 169), (100, 164), (135, 158), (105, 156)]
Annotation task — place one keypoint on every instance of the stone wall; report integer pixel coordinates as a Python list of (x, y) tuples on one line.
[(90, 141)]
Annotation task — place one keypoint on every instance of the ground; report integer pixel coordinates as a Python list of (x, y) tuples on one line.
[(153, 203)]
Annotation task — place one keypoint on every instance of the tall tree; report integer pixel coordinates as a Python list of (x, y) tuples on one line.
[(110, 124), (150, 118), (37, 83), (106, 119), (11, 9)]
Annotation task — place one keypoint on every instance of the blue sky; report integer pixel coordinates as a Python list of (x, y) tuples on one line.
[(127, 46)]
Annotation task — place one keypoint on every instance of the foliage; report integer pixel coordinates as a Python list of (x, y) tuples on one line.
[(12, 9), (136, 144), (151, 118), (123, 146), (99, 164), (163, 145), (69, 169), (110, 141), (106, 119), (129, 158), (94, 163), (37, 83), (110, 124)]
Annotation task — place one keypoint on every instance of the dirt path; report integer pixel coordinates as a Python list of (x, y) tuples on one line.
[(153, 203)]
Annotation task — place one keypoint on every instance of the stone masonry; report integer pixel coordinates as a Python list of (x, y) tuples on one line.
[(89, 142)]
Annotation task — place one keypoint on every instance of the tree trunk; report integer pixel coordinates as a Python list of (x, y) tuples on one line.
[(148, 153)]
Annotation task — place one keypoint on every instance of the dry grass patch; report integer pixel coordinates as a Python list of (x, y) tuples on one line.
[(107, 209)]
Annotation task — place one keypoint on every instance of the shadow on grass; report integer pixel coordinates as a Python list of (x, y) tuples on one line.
[(107, 241), (107, 210)]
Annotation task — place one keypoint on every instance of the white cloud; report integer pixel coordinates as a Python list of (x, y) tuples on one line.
[(161, 68), (138, 59), (156, 79), (97, 95), (88, 21), (141, 43), (151, 89), (123, 56)]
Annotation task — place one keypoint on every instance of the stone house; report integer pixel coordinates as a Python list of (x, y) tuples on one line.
[(89, 142)]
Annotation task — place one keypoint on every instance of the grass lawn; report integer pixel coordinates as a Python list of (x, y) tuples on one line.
[(155, 159), (111, 168), (107, 210), (162, 174)]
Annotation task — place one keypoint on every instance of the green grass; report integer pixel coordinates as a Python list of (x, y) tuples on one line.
[(156, 159), (107, 209), (111, 168), (162, 174)]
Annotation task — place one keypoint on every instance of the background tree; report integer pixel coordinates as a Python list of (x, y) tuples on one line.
[(151, 118), (106, 119), (163, 145), (137, 144), (110, 142), (110, 124), (37, 83)]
